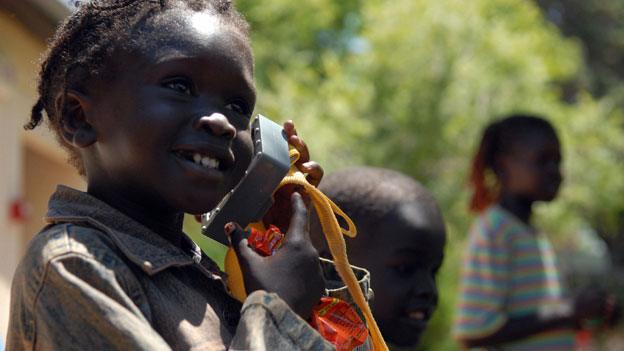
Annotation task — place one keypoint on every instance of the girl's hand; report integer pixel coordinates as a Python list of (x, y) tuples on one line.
[(280, 213), (313, 169), (592, 303), (614, 311), (293, 271)]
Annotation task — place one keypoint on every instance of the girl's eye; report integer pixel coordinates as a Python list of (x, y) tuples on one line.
[(238, 107), (180, 85)]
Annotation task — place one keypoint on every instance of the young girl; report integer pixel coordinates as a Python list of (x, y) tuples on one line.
[(511, 296), (152, 100)]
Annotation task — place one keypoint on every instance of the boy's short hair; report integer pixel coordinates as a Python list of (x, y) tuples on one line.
[(83, 44), (368, 194)]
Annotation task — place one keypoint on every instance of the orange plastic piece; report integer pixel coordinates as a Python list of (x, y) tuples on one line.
[(266, 242), (339, 324)]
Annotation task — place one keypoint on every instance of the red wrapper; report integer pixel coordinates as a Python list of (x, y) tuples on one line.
[(266, 242), (339, 324)]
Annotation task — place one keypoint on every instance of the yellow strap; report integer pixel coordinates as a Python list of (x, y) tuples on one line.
[(327, 212)]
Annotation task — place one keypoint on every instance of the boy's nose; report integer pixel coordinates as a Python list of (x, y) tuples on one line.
[(429, 295), (425, 289), (218, 125)]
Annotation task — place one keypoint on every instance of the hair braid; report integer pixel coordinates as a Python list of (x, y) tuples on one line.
[(484, 195)]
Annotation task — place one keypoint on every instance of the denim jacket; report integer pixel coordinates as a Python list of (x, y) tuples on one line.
[(96, 279)]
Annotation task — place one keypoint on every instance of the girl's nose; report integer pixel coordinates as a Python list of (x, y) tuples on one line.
[(218, 125)]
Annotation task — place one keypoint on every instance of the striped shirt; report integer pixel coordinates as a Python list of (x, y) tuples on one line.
[(509, 271)]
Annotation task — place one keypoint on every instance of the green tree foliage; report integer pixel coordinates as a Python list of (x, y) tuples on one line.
[(410, 84), (599, 25)]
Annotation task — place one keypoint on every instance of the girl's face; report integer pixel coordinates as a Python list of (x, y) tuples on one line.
[(533, 170), (173, 124)]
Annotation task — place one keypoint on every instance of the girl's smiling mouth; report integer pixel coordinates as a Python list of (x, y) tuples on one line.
[(199, 159), (205, 158)]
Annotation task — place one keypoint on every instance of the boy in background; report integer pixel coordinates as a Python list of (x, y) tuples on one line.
[(401, 237)]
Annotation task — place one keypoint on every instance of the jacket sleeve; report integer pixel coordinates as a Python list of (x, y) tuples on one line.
[(80, 304), (267, 323)]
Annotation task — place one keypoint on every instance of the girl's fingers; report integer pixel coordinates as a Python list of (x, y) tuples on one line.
[(296, 141), (298, 222), (314, 170), (300, 145), (238, 241), (289, 128)]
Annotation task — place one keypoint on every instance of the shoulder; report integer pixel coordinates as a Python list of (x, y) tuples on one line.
[(61, 243), (71, 271), (496, 226)]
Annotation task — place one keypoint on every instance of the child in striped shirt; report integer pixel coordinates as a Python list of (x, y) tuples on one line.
[(511, 297)]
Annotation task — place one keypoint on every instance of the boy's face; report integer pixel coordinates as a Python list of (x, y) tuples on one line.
[(532, 170), (403, 253), (173, 124)]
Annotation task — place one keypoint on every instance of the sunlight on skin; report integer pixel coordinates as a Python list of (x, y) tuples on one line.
[(204, 23)]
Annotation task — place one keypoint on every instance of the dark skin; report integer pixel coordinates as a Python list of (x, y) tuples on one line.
[(193, 93), (403, 252), (281, 211), (302, 291), (530, 173)]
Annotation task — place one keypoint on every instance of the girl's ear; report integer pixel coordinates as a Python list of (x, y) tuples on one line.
[(73, 109), (501, 167)]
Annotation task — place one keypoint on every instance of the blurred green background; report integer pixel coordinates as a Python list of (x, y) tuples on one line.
[(409, 85)]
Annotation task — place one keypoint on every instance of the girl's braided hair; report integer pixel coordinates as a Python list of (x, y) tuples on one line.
[(499, 138), (84, 43)]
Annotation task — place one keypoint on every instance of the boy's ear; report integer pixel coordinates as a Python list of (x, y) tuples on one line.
[(73, 109)]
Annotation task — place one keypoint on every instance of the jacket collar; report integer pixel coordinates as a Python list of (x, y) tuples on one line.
[(138, 243)]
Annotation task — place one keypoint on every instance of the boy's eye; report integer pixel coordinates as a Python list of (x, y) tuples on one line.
[(404, 270), (180, 85), (238, 107)]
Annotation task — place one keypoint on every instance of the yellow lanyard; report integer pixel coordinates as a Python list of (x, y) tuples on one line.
[(327, 212)]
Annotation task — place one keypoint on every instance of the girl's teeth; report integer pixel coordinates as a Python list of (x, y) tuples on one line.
[(205, 161), (209, 162)]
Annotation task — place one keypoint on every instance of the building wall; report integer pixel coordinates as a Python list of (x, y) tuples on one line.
[(41, 175), (31, 163)]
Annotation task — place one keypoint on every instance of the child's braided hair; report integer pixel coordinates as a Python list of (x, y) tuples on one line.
[(82, 45), (499, 138)]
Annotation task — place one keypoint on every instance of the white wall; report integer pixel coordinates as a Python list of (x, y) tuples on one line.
[(10, 187), (19, 56)]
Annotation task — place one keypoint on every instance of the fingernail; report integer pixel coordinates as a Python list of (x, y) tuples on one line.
[(229, 228)]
